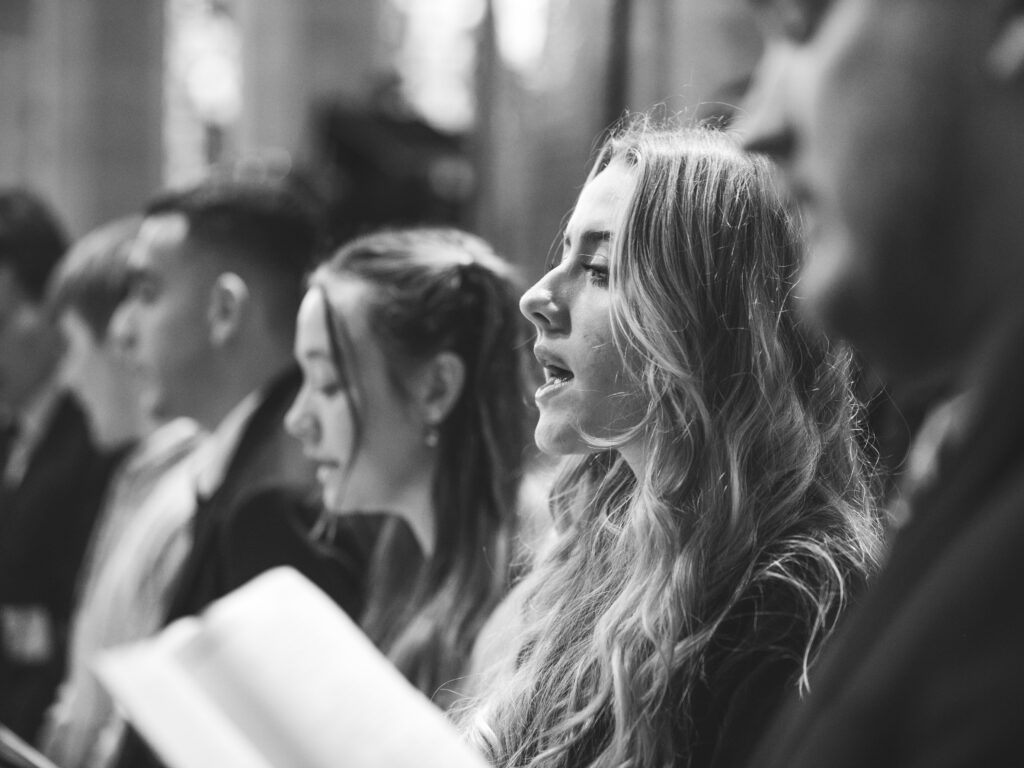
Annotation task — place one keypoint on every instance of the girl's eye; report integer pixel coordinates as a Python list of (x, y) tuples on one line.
[(596, 269), (330, 389)]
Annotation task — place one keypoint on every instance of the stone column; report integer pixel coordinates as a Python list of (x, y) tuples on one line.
[(80, 114)]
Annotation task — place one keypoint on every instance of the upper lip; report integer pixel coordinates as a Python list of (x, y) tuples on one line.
[(323, 461), (549, 359), (797, 189)]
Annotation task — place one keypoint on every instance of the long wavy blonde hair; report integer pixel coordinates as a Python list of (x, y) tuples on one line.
[(754, 515)]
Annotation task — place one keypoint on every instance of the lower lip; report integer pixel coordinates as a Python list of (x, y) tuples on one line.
[(324, 473), (550, 389)]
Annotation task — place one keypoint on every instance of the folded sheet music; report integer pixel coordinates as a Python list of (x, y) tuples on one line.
[(275, 675), (15, 753)]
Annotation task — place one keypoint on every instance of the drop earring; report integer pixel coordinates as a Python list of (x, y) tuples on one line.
[(432, 436)]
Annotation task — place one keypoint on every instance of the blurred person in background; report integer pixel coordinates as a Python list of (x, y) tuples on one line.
[(53, 476), (899, 127), (217, 275), (122, 586), (413, 404), (716, 513)]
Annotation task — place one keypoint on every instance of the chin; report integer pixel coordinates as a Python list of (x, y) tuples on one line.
[(558, 441), (331, 499)]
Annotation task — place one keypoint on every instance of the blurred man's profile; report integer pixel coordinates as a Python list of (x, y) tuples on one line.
[(899, 126)]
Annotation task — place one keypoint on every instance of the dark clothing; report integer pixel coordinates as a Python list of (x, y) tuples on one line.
[(750, 668), (234, 541), (45, 525), (273, 527), (258, 518), (929, 671)]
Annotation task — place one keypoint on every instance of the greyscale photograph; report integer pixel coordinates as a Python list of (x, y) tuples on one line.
[(511, 383)]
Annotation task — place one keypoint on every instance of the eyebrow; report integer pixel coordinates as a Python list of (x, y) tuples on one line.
[(590, 238)]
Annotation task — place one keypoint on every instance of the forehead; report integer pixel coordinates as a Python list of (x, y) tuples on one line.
[(603, 199), (348, 305)]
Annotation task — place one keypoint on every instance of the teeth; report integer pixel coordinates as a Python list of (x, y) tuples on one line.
[(554, 373)]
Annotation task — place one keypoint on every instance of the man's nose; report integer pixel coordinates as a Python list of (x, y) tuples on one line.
[(122, 327), (764, 125)]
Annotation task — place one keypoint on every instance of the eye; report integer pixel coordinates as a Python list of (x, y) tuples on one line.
[(596, 268), (330, 389)]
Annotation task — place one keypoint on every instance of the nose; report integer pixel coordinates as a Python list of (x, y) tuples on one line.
[(764, 126), (542, 305), (121, 328), (300, 422)]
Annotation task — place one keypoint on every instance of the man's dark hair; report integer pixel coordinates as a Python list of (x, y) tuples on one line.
[(266, 228), (93, 277), (31, 239), (261, 221)]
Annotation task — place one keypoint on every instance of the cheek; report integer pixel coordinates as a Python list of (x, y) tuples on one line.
[(338, 429), (615, 401), (605, 371)]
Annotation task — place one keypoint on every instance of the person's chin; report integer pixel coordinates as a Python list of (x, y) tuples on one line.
[(828, 287), (556, 439)]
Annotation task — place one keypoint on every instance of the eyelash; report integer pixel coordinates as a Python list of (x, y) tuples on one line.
[(330, 389), (598, 275)]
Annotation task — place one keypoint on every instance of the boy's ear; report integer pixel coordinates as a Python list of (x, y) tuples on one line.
[(229, 301), (440, 383), (1006, 54)]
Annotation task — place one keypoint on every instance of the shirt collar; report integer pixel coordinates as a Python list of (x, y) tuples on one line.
[(219, 448)]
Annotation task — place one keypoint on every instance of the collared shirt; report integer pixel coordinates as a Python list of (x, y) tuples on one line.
[(220, 448), (131, 591), (133, 562)]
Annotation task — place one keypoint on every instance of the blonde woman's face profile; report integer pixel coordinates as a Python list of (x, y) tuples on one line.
[(586, 392)]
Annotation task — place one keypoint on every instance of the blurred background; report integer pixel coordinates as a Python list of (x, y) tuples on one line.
[(480, 113)]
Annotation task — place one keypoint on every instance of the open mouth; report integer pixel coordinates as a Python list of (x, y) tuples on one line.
[(553, 374), (325, 470), (555, 378)]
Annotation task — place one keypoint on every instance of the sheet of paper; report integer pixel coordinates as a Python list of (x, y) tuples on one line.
[(15, 753), (276, 675)]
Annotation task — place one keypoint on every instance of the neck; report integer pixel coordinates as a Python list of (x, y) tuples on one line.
[(414, 503), (234, 380), (635, 455)]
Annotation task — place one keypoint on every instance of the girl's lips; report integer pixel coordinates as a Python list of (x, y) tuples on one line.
[(324, 469), (550, 388), (554, 366), (557, 374), (554, 373)]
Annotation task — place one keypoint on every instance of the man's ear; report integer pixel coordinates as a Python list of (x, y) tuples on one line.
[(229, 301), (439, 385), (1006, 55)]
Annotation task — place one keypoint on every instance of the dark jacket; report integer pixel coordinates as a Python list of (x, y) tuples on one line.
[(262, 516), (929, 671), (45, 525), (256, 519)]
